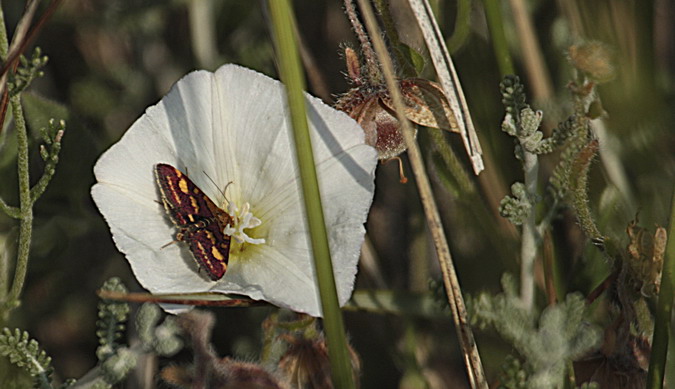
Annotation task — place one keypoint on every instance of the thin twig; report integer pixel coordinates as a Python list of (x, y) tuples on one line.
[(17, 42), (9, 210), (15, 50), (30, 35), (464, 332), (372, 64)]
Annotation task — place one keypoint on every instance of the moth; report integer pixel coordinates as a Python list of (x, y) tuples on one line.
[(200, 222)]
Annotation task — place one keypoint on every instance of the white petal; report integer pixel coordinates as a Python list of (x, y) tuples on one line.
[(233, 126), (127, 193), (345, 167), (140, 232)]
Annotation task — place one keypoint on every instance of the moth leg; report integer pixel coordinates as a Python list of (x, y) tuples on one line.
[(169, 244), (179, 238)]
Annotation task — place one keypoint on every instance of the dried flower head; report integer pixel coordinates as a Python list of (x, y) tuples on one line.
[(370, 104), (305, 364), (593, 58)]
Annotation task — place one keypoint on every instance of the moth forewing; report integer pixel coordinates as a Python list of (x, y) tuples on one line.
[(200, 222)]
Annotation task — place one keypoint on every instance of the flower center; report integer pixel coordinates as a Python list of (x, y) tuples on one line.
[(241, 220)]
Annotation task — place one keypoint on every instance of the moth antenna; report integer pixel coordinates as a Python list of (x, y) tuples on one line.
[(222, 192), (225, 190)]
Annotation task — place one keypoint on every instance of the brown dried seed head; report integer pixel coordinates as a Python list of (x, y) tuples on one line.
[(382, 129), (305, 363), (593, 58)]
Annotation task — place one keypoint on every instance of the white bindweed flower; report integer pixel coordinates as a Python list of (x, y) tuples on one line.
[(232, 126), (240, 221)]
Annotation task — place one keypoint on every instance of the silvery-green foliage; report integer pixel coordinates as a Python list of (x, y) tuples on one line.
[(516, 208), (112, 318), (522, 122), (547, 342), (161, 338), (24, 352), (514, 374)]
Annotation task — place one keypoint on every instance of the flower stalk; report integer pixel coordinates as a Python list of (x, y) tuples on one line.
[(291, 75)]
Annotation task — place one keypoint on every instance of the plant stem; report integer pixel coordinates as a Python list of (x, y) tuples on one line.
[(26, 204), (291, 74), (528, 245), (657, 361), (470, 352), (10, 211)]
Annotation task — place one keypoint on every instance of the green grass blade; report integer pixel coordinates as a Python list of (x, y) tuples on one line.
[(291, 75)]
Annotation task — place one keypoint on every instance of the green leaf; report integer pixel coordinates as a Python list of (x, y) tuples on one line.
[(413, 60)]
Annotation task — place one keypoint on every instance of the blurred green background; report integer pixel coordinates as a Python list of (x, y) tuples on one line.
[(110, 59)]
